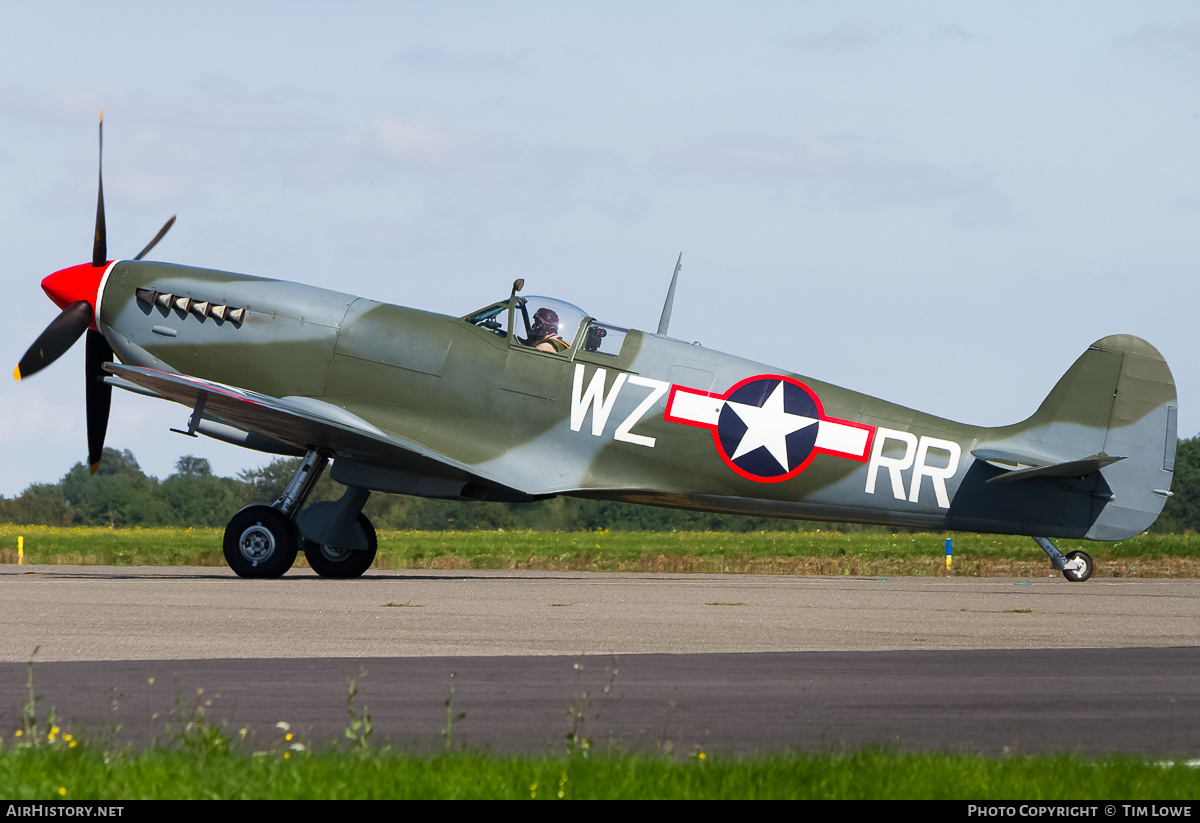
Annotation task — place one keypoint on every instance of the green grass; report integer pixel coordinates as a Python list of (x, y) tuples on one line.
[(199, 760), (813, 552), (220, 773)]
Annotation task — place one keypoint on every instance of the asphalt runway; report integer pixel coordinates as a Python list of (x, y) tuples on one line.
[(643, 662)]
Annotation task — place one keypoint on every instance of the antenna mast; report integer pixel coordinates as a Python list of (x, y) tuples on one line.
[(665, 320)]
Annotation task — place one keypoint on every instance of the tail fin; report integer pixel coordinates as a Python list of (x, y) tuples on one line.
[(1113, 415)]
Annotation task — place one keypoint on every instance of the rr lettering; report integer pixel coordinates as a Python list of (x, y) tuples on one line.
[(915, 456)]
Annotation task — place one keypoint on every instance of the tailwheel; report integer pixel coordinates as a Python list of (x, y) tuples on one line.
[(331, 561), (1079, 567), (261, 542)]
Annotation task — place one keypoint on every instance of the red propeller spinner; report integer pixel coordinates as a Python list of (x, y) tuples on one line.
[(75, 283)]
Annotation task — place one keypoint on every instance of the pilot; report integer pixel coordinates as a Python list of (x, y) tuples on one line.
[(545, 332)]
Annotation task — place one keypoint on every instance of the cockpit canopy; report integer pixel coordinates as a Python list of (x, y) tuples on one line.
[(538, 319)]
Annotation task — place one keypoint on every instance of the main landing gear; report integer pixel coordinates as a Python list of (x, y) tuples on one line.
[(1076, 566), (337, 538), (331, 561), (261, 542)]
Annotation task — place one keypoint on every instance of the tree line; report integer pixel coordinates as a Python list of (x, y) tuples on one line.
[(121, 494)]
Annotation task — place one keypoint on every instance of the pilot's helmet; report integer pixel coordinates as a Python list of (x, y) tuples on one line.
[(545, 322)]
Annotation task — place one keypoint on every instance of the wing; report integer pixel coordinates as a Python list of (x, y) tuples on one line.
[(364, 455)]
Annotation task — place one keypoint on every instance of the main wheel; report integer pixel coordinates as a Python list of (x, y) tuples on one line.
[(1081, 574), (261, 542), (330, 561)]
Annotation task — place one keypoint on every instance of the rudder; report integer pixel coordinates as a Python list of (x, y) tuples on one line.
[(1143, 427), (1113, 413)]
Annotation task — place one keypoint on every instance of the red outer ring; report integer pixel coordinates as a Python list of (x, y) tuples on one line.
[(812, 454)]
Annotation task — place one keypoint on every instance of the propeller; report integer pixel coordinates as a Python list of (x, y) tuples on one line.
[(75, 289), (100, 241), (59, 336)]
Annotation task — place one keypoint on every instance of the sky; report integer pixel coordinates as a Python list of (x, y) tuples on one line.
[(937, 203)]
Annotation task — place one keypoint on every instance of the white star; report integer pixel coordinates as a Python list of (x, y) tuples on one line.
[(768, 426)]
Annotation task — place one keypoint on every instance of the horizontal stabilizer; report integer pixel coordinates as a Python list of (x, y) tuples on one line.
[(1024, 466), (1010, 460)]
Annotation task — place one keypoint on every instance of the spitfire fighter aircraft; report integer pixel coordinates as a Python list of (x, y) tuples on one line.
[(530, 397)]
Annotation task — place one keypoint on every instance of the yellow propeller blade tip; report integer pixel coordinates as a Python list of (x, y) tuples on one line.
[(17, 373), (94, 467)]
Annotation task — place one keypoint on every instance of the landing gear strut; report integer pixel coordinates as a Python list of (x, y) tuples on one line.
[(1076, 566), (262, 541), (337, 538)]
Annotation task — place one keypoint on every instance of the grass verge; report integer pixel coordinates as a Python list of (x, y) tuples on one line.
[(874, 553), (219, 773)]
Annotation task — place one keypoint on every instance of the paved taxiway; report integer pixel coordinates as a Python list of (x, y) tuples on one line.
[(723, 662)]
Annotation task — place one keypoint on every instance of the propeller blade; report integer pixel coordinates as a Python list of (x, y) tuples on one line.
[(63, 287), (161, 232), (98, 395), (100, 242), (59, 336)]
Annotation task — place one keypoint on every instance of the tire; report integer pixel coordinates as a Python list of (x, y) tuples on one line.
[(330, 561), (261, 542), (1079, 576)]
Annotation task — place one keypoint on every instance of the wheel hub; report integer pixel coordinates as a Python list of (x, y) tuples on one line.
[(257, 544), (334, 554)]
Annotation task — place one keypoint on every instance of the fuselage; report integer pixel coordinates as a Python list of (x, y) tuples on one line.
[(642, 418)]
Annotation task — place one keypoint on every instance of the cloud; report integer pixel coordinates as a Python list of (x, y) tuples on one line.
[(1176, 42), (467, 173), (436, 57), (859, 35), (32, 415), (848, 36), (955, 31), (846, 167), (425, 142), (214, 103), (160, 147)]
